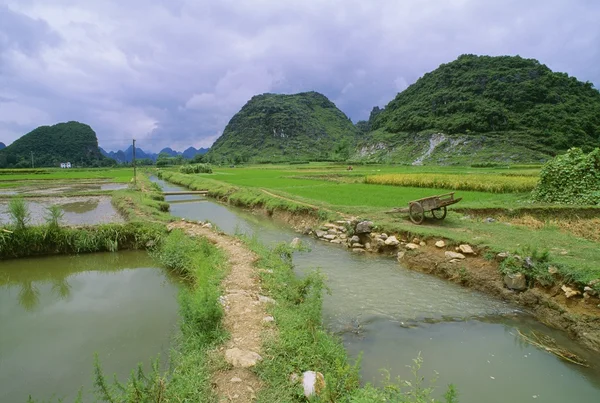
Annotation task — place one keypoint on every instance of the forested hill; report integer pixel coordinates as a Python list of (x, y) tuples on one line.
[(275, 127), (2, 145), (507, 95), (64, 142)]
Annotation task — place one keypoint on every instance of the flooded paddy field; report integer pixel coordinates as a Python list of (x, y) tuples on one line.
[(57, 312), (81, 210)]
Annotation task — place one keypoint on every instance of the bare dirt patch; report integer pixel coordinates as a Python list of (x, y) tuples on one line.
[(244, 314)]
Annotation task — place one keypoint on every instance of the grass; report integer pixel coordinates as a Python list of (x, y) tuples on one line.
[(482, 183), (302, 343), (567, 233), (203, 265)]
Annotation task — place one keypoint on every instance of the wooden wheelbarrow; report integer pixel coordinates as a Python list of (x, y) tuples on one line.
[(436, 205)]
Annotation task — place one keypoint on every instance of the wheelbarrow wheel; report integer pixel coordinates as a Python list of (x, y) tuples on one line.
[(439, 213), (416, 213)]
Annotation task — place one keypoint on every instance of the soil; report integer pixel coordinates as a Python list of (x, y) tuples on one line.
[(244, 313)]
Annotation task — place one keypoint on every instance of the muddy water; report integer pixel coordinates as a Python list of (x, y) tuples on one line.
[(392, 315), (87, 210), (56, 312)]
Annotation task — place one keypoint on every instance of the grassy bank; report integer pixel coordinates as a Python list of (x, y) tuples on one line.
[(303, 344), (241, 196), (188, 380)]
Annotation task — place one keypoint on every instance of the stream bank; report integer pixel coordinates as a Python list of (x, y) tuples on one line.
[(578, 316), (390, 314)]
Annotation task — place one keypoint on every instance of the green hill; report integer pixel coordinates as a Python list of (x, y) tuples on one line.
[(483, 108), (64, 142), (275, 127)]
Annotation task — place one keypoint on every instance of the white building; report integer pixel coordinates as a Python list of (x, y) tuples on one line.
[(65, 165)]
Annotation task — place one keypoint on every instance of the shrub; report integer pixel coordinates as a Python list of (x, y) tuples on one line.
[(571, 178), (195, 169)]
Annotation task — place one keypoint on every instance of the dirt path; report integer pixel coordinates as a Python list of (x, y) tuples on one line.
[(244, 317)]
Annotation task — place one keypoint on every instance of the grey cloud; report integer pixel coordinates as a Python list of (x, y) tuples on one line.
[(173, 72)]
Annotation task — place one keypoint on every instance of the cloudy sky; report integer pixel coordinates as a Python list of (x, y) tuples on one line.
[(173, 72)]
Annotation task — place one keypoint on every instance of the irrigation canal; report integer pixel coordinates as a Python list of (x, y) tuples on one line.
[(391, 315)]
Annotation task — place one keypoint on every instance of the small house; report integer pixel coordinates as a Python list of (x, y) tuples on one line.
[(65, 165)]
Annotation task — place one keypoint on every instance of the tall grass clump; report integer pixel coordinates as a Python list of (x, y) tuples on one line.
[(18, 212), (571, 178), (189, 380), (54, 215), (195, 169), (492, 183)]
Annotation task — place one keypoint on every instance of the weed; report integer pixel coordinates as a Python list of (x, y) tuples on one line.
[(19, 213), (54, 215)]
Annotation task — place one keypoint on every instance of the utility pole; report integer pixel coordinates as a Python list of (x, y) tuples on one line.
[(134, 171), (32, 160)]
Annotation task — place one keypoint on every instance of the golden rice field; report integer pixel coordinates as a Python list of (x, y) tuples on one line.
[(493, 183)]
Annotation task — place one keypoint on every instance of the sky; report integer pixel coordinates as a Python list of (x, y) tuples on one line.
[(173, 72)]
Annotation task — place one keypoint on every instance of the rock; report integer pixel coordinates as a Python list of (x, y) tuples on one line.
[(266, 300), (528, 263), (296, 242), (594, 282), (358, 250), (380, 242), (454, 260), (489, 220), (416, 240), (336, 241), (343, 236), (588, 289), (329, 225), (354, 239), (367, 245), (241, 358), (515, 281), (235, 380), (329, 237), (570, 292), (268, 319), (383, 236), (440, 244), (400, 255), (183, 219), (586, 295), (320, 233), (364, 227), (422, 243), (391, 241), (411, 246), (453, 255), (313, 383), (358, 245), (466, 249), (552, 270), (333, 231), (207, 225), (502, 256)]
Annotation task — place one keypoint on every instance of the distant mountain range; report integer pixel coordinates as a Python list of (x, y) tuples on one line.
[(127, 155), (2, 145)]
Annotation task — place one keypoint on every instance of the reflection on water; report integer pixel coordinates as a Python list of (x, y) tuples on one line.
[(392, 314), (77, 210), (56, 312), (80, 207)]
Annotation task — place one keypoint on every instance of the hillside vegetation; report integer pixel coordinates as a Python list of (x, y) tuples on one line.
[(64, 142), (275, 127), (486, 108)]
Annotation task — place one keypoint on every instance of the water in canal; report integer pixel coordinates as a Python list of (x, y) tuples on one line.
[(392, 315), (56, 312)]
